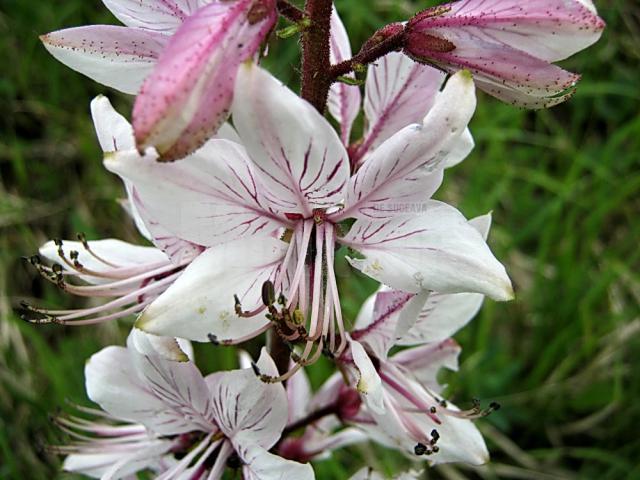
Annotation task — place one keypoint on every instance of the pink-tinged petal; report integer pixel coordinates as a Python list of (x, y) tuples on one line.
[(148, 344), (188, 95), (460, 149), (398, 92), (393, 313), (201, 301), (509, 74), (550, 30), (248, 410), (210, 199), (117, 57), (167, 397), (368, 382), (161, 16), (121, 257), (367, 473), (297, 152), (444, 314), (425, 362), (435, 250), (407, 169), (344, 100), (262, 465)]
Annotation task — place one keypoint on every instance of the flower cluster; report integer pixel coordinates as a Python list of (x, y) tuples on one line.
[(250, 196)]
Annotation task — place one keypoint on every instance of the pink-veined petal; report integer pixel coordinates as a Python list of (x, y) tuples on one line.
[(401, 174), (298, 153), (113, 130), (398, 92), (248, 410), (344, 100), (118, 57), (444, 314), (435, 250), (507, 73), (393, 313), (148, 389), (425, 362), (188, 95), (260, 464), (212, 198), (298, 395), (161, 16), (201, 301), (550, 30)]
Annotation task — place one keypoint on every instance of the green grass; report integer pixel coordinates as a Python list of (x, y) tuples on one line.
[(565, 191)]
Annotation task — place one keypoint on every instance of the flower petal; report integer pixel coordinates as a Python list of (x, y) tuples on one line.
[(164, 16), (299, 155), (210, 199), (443, 315), (148, 389), (148, 344), (188, 95), (550, 30), (425, 362), (262, 465), (298, 395), (398, 92), (368, 383), (407, 169), (117, 57), (113, 130), (201, 301), (436, 250), (248, 410), (344, 100)]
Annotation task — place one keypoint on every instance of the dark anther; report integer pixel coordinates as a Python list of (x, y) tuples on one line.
[(420, 449), (256, 369), (268, 293), (433, 410), (282, 300), (83, 239), (58, 242), (435, 449), (443, 403), (57, 268), (35, 260), (213, 339), (435, 435), (73, 255), (493, 406)]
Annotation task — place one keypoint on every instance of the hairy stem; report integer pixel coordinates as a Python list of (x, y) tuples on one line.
[(368, 55), (316, 62)]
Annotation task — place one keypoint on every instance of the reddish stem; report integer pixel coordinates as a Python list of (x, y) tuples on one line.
[(316, 63), (369, 55), (289, 11)]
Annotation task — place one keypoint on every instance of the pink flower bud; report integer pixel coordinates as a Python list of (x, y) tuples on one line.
[(188, 95)]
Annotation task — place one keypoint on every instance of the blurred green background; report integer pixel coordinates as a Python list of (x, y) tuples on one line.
[(564, 186)]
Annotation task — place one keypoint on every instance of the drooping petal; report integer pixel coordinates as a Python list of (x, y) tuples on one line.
[(161, 16), (201, 302), (443, 315), (113, 130), (262, 465), (344, 100), (425, 362), (368, 381), (398, 92), (248, 410), (509, 74), (118, 57), (212, 198), (188, 95), (298, 395), (298, 153), (405, 171), (550, 30), (148, 389), (435, 250)]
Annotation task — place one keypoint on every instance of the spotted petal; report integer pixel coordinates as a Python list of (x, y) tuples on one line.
[(161, 16), (117, 57)]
